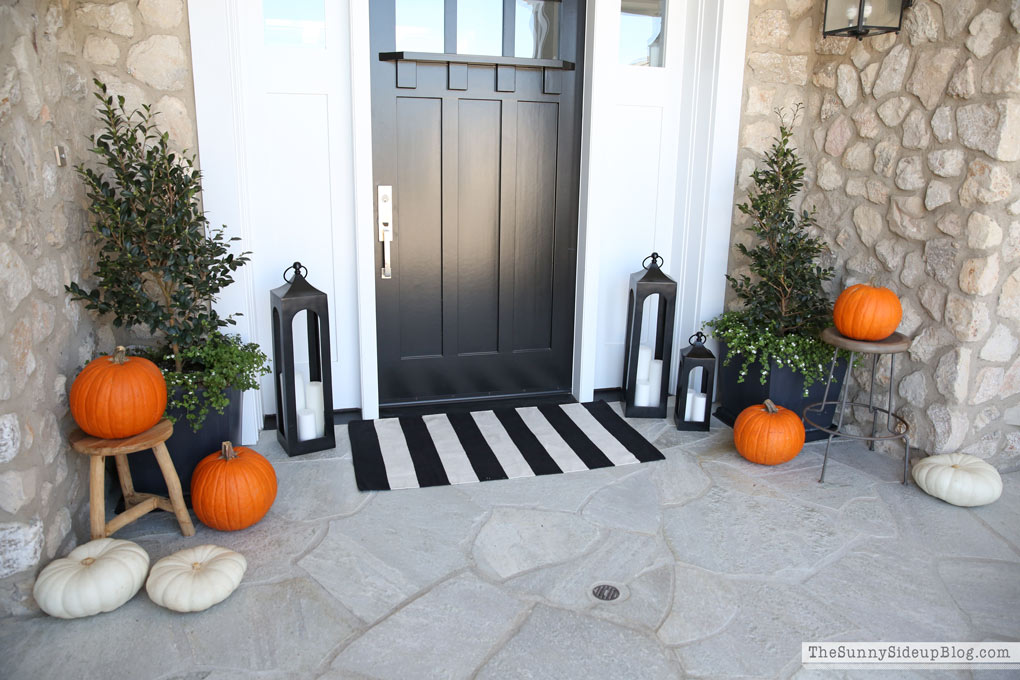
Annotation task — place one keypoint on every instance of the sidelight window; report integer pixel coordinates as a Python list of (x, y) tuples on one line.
[(642, 32)]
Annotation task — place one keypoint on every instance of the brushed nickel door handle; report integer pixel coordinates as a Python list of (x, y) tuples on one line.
[(385, 200)]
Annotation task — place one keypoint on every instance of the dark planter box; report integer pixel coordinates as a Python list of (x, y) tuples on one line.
[(187, 447), (783, 387)]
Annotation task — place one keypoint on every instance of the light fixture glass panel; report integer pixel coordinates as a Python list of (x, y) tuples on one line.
[(537, 29), (642, 32), (294, 23), (480, 27), (841, 14), (882, 12), (419, 26)]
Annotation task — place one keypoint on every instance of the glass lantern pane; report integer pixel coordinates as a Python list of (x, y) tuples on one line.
[(419, 26), (537, 29), (642, 32), (480, 27), (882, 13), (841, 14), (294, 23)]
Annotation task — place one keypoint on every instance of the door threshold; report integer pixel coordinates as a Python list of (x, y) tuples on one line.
[(476, 403)]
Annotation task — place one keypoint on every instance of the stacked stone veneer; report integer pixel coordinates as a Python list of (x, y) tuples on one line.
[(49, 53), (912, 143)]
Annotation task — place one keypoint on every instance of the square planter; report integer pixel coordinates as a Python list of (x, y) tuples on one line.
[(783, 387)]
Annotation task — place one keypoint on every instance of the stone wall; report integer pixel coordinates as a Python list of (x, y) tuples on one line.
[(49, 53), (912, 143)]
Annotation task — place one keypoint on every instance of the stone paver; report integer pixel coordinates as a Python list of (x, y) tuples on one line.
[(724, 566)]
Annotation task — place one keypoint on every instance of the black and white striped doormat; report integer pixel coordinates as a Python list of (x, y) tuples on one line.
[(458, 448)]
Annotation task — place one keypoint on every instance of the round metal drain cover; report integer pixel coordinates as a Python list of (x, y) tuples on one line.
[(605, 592)]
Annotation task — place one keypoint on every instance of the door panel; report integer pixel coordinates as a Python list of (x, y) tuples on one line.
[(483, 161)]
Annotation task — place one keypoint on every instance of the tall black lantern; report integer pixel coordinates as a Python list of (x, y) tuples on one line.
[(694, 407), (304, 404), (646, 368), (862, 18)]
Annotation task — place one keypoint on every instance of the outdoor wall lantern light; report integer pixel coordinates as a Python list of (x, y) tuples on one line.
[(861, 18), (646, 367), (304, 403), (694, 404)]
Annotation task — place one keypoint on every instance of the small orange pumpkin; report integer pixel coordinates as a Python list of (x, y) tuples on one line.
[(118, 396), (864, 312), (233, 488), (768, 434)]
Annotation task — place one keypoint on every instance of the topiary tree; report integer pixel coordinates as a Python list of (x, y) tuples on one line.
[(784, 307), (786, 292)]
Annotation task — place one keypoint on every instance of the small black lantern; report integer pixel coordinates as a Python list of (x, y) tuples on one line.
[(862, 18), (694, 407), (304, 410), (645, 368)]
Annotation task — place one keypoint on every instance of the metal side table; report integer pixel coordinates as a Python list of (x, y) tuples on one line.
[(894, 344)]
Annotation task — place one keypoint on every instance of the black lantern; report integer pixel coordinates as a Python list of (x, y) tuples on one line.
[(861, 18), (646, 368), (304, 404), (694, 404)]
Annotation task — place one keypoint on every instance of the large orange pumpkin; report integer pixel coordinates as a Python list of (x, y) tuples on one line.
[(118, 396), (768, 434), (864, 312), (233, 488)]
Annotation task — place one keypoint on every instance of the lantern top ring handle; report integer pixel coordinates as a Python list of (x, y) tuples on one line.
[(656, 261), (298, 268), (698, 338)]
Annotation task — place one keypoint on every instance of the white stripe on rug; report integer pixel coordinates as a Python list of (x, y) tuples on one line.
[(510, 459), (399, 468), (599, 436), (559, 450), (455, 461)]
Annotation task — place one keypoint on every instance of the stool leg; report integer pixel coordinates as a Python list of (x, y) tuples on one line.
[(127, 486), (906, 457), (97, 496), (871, 400), (842, 408), (173, 485)]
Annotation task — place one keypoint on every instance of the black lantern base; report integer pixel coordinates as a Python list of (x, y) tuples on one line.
[(783, 387), (303, 446), (693, 425)]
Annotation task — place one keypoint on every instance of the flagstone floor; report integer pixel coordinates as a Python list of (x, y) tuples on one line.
[(725, 568)]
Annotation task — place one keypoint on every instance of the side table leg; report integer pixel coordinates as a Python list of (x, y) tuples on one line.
[(842, 409), (173, 485), (906, 457), (97, 496), (127, 486), (871, 400)]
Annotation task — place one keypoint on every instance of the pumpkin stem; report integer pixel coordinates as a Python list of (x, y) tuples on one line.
[(88, 560), (227, 451), (770, 406), (119, 355)]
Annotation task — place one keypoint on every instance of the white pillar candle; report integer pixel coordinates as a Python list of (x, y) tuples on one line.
[(698, 407), (642, 393), (313, 402), (305, 425), (644, 359), (300, 381), (655, 382), (688, 405)]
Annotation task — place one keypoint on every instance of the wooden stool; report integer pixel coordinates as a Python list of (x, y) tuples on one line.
[(894, 344), (136, 504)]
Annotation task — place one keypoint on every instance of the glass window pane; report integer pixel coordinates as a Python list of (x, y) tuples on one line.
[(480, 27), (642, 32), (537, 29), (419, 26), (294, 23)]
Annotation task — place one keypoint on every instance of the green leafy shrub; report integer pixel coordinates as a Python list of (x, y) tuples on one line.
[(783, 305), (160, 264)]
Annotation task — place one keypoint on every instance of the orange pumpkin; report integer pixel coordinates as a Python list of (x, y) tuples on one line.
[(768, 434), (118, 396), (233, 488), (864, 312)]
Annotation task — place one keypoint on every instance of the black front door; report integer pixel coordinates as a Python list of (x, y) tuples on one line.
[(478, 156)]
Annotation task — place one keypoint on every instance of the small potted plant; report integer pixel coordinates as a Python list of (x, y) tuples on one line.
[(159, 267), (770, 343)]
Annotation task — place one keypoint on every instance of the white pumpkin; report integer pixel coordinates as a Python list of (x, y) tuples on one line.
[(958, 478), (195, 578), (96, 577)]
